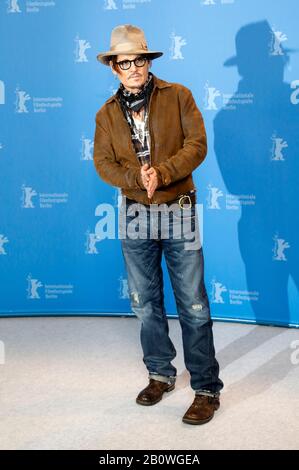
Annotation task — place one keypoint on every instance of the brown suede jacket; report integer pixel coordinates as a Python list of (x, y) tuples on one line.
[(178, 144)]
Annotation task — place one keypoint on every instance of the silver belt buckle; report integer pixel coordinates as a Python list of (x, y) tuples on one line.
[(182, 197)]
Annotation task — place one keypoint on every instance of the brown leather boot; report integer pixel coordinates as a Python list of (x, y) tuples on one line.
[(153, 392), (202, 409)]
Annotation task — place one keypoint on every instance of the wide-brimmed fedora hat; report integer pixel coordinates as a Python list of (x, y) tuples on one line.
[(127, 39)]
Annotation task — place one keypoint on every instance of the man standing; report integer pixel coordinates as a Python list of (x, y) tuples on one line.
[(149, 137)]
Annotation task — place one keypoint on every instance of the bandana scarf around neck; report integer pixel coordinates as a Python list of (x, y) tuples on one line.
[(134, 102)]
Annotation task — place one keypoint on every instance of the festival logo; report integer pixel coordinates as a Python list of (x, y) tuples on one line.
[(13, 6), (278, 144), (177, 42), (280, 245), (81, 47), (110, 5), (46, 200), (27, 195), (235, 296), (21, 100), (211, 93), (232, 201), (39, 104), (32, 287), (230, 101), (294, 98), (3, 240), (51, 291), (217, 292), (90, 243), (213, 196), (277, 38), (31, 6), (86, 148)]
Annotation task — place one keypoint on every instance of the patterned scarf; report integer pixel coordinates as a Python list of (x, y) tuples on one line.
[(134, 102)]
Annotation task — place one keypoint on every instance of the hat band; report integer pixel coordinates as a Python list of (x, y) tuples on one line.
[(128, 46)]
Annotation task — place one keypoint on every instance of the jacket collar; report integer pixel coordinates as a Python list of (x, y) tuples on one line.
[(158, 82)]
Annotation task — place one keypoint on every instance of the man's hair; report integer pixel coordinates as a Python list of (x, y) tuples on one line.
[(113, 59)]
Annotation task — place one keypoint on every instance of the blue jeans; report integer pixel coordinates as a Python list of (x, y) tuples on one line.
[(148, 233)]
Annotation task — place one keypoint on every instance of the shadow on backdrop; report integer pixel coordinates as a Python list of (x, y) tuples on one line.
[(256, 146)]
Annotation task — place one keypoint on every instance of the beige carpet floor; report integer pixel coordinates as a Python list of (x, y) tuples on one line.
[(71, 383)]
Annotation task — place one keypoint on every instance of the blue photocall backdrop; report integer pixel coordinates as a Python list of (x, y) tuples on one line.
[(240, 59)]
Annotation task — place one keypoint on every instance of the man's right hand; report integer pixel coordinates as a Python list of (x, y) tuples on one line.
[(149, 179), (145, 178)]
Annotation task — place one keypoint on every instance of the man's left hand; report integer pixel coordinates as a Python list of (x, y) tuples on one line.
[(153, 181)]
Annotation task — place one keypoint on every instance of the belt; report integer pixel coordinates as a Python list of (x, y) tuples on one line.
[(188, 199)]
